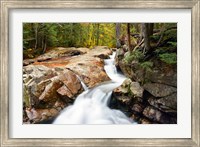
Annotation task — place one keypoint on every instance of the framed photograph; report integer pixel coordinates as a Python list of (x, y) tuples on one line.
[(100, 73)]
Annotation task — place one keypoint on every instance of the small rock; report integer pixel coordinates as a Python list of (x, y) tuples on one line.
[(135, 117), (124, 88), (136, 89), (43, 58), (156, 115), (124, 99), (138, 108), (145, 121), (28, 61)]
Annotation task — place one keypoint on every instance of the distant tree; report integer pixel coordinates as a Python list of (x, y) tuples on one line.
[(128, 37), (118, 33)]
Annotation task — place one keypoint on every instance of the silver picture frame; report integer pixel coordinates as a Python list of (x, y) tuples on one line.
[(7, 5)]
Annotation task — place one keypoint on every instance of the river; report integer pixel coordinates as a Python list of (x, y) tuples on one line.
[(91, 106)]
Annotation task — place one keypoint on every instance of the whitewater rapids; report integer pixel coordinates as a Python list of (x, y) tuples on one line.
[(91, 107)]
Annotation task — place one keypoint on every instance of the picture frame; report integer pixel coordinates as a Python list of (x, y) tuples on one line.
[(7, 5)]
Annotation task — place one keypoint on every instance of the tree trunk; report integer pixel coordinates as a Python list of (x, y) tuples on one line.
[(150, 28), (145, 34), (45, 44), (98, 26), (36, 35), (118, 33), (129, 36)]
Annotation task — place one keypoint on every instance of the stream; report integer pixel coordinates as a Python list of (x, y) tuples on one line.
[(91, 106)]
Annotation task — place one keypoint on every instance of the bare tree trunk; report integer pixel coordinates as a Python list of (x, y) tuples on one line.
[(118, 33), (128, 36), (45, 44), (36, 35), (145, 34)]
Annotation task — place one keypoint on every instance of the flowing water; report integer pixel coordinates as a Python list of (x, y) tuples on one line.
[(91, 107)]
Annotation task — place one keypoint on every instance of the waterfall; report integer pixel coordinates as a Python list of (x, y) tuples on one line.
[(91, 106)]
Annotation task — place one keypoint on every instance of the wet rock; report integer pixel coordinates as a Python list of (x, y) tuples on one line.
[(138, 107), (135, 117), (157, 116), (136, 89), (159, 90), (102, 56), (167, 104), (124, 88), (144, 121), (129, 87), (124, 99)]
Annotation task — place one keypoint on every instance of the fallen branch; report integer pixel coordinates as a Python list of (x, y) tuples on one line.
[(138, 44)]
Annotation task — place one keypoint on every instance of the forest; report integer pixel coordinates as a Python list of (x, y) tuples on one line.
[(62, 60)]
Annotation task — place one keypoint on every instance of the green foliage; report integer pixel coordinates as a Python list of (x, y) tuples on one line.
[(147, 65), (135, 55), (170, 35), (161, 50), (169, 58), (128, 58), (173, 44), (155, 37), (68, 34)]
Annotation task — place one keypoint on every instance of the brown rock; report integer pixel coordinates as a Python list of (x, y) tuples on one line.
[(28, 61), (138, 108), (50, 93), (124, 99), (135, 117), (71, 81), (156, 115), (92, 73), (145, 121), (36, 115), (64, 91)]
